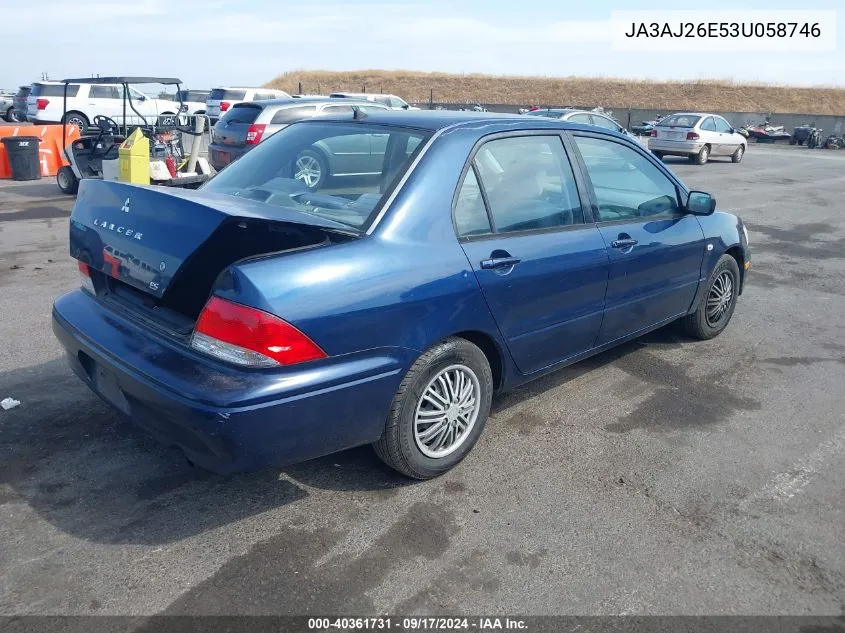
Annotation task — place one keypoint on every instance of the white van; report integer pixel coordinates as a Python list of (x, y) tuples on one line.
[(85, 101), (221, 99)]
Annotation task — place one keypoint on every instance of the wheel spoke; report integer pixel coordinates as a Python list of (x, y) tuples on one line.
[(431, 431)]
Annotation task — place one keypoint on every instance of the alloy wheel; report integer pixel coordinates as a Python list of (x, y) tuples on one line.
[(308, 170), (447, 411), (719, 298)]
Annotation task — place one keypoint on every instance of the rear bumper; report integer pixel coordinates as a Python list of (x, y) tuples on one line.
[(675, 147), (224, 418), (221, 155)]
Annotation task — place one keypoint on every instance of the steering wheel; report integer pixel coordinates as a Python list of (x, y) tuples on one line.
[(107, 125)]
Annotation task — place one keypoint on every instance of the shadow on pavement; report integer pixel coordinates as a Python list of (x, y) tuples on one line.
[(94, 475)]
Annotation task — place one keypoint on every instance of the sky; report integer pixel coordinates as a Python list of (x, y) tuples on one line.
[(248, 42)]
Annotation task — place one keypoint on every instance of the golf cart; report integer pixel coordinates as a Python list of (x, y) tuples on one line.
[(96, 153)]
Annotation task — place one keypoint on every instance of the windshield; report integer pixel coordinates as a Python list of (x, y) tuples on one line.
[(334, 170), (680, 120), (551, 114), (219, 94)]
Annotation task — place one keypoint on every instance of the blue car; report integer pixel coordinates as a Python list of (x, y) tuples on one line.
[(259, 321)]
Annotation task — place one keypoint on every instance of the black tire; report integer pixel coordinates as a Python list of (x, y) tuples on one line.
[(10, 115), (67, 180), (168, 119), (398, 446), (699, 324), (315, 158), (738, 154), (702, 156), (792, 140), (79, 119)]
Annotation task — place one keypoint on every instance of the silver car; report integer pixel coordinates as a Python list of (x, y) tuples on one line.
[(245, 125), (582, 116), (698, 136)]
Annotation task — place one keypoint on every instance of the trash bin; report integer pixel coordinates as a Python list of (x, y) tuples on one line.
[(23, 157)]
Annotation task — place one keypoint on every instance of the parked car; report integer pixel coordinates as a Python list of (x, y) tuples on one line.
[(7, 100), (581, 116), (86, 101), (391, 101), (19, 104), (221, 99), (193, 101), (245, 125), (697, 136), (258, 322)]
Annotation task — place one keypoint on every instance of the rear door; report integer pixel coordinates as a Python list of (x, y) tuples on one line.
[(709, 135), (655, 249), (107, 100), (542, 268)]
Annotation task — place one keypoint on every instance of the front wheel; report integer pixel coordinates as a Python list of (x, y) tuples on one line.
[(738, 154), (67, 180), (717, 304), (439, 411)]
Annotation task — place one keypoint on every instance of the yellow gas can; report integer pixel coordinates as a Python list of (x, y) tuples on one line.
[(134, 159)]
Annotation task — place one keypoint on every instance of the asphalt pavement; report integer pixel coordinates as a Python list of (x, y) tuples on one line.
[(667, 476)]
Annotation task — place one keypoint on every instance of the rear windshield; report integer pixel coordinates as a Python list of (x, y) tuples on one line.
[(193, 95), (242, 113), (220, 94), (680, 120), (335, 170), (53, 90)]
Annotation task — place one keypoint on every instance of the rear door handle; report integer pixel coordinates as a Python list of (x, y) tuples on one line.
[(499, 262), (624, 243)]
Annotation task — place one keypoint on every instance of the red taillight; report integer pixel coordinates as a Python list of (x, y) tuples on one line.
[(42, 103), (224, 105), (692, 136), (247, 336), (654, 132), (254, 133), (86, 282)]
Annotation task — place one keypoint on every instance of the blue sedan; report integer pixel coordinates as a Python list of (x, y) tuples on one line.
[(260, 321)]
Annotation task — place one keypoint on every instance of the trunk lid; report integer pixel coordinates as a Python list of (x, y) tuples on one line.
[(155, 238)]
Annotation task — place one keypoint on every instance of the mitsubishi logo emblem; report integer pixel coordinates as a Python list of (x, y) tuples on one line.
[(125, 207)]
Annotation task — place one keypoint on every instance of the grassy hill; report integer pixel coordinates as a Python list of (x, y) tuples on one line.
[(583, 91)]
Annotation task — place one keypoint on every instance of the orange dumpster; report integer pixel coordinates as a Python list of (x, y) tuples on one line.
[(50, 150)]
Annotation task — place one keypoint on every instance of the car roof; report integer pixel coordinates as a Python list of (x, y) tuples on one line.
[(122, 80), (246, 88), (434, 120), (298, 101)]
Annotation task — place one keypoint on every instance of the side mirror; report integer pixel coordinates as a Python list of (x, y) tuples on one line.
[(700, 203), (732, 131)]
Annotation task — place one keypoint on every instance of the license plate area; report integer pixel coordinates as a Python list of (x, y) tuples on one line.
[(104, 382)]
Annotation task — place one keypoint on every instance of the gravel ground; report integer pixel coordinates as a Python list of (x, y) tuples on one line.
[(664, 477)]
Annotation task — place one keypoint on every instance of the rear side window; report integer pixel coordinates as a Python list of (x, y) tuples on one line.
[(680, 120), (293, 114), (709, 124), (220, 94), (265, 96), (194, 95), (54, 90), (242, 113), (626, 184), (529, 184)]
